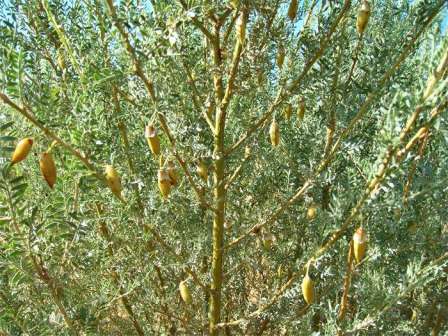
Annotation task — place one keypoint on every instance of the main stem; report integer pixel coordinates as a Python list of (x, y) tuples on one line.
[(219, 190), (218, 231)]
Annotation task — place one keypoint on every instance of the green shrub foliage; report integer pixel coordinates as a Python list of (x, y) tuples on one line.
[(365, 146)]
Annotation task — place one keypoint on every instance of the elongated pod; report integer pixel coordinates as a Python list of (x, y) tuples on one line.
[(22, 150), (48, 168)]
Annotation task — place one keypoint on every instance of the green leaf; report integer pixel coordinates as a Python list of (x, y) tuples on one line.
[(17, 179), (6, 125), (6, 138)]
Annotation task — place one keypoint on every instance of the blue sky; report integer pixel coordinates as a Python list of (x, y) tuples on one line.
[(4, 4)]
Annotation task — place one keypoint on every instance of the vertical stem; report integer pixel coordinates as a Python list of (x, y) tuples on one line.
[(219, 192), (218, 231), (331, 123), (412, 170), (347, 280), (438, 323)]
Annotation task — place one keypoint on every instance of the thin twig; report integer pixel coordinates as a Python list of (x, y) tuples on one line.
[(237, 171), (150, 88), (115, 276), (28, 114), (199, 105), (56, 291), (198, 23), (355, 57), (347, 280), (326, 161), (283, 93), (382, 172), (413, 168), (421, 275), (331, 124)]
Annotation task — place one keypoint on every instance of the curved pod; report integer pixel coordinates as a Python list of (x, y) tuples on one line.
[(308, 289)]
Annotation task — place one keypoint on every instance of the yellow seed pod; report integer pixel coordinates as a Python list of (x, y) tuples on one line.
[(268, 240), (202, 170), (241, 27), (153, 139), (172, 173), (280, 56), (292, 9), (113, 181), (308, 289), (288, 111), (359, 244), (274, 133), (48, 168), (235, 3), (247, 152), (311, 212), (164, 182), (363, 17), (414, 315), (22, 150), (301, 110), (185, 292)]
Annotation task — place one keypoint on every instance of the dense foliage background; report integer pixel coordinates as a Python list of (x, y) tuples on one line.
[(89, 75)]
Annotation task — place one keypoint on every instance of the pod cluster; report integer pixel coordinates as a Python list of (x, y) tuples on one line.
[(46, 163)]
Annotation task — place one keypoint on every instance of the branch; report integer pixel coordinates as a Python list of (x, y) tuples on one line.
[(422, 274), (355, 57), (150, 88), (196, 96), (198, 24), (182, 163), (124, 138), (326, 161), (331, 125), (384, 80), (237, 171), (347, 280), (63, 38), (40, 270), (230, 27), (116, 278), (274, 216), (285, 93), (233, 70), (372, 187), (27, 113)]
